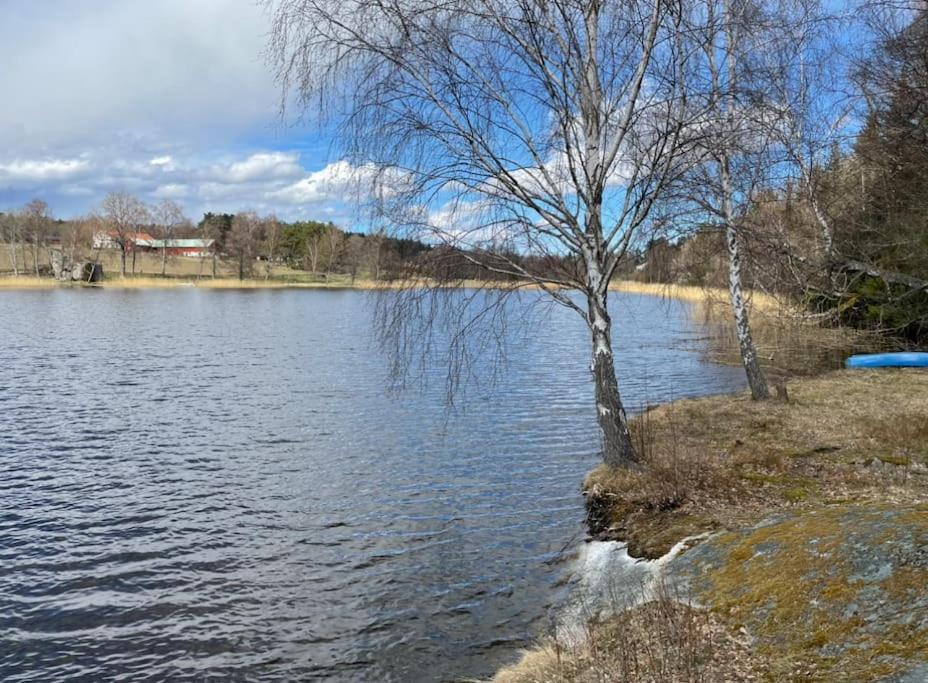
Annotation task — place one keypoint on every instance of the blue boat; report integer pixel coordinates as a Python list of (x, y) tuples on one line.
[(888, 360)]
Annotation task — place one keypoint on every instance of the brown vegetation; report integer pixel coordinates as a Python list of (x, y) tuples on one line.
[(726, 461), (662, 641)]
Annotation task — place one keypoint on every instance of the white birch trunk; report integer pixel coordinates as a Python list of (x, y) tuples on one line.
[(618, 447), (13, 260), (756, 379), (755, 375)]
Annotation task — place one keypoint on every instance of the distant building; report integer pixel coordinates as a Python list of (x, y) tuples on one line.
[(182, 247), (110, 240), (142, 241)]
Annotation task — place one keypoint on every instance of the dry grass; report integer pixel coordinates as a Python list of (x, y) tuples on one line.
[(665, 640), (277, 281), (714, 298), (725, 461), (26, 282), (790, 342), (142, 282)]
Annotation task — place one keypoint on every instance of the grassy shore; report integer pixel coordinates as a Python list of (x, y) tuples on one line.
[(846, 438), (714, 297), (186, 271), (723, 461)]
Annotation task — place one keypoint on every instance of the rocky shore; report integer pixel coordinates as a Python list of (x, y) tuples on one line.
[(781, 541)]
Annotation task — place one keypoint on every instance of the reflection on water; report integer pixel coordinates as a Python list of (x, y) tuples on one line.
[(216, 484)]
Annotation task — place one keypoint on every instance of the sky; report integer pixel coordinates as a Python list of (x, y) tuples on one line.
[(162, 98)]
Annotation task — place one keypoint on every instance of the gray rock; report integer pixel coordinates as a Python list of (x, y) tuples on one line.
[(839, 589)]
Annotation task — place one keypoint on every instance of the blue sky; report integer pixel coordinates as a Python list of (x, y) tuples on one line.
[(162, 98)]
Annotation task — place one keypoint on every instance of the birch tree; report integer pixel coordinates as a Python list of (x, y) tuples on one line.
[(12, 235), (272, 234), (733, 148), (244, 241), (123, 214), (313, 247), (493, 128), (168, 216), (36, 222)]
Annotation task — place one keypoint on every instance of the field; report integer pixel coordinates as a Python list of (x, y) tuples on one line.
[(179, 271)]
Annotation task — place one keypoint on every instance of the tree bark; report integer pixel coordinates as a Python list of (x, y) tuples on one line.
[(164, 260), (618, 448), (122, 262), (756, 379)]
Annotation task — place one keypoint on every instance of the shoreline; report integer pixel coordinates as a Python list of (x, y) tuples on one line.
[(756, 486), (670, 291), (149, 282)]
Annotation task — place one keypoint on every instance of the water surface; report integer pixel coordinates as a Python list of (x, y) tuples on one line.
[(216, 484)]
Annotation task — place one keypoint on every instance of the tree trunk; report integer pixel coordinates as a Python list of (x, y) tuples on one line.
[(35, 257), (13, 260), (756, 379), (164, 259), (133, 261), (214, 265), (122, 262), (618, 448)]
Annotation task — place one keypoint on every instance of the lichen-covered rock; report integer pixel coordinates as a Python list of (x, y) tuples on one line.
[(836, 594)]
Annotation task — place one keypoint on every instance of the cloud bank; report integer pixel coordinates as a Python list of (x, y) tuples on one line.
[(166, 99)]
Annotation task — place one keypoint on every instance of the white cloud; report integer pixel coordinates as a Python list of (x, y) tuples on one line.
[(171, 191), (166, 162), (340, 181), (164, 99), (31, 171), (260, 166)]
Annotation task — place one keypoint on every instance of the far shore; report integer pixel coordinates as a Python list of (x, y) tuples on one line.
[(670, 291)]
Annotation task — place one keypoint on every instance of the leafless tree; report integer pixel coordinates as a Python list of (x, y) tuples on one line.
[(734, 147), (495, 128), (212, 229), (272, 234), (313, 247), (355, 255), (168, 217), (333, 241), (77, 236), (821, 89), (244, 241), (374, 245), (36, 222), (123, 214), (11, 230), (809, 111)]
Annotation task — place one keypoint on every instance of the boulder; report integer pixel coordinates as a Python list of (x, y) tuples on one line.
[(66, 270)]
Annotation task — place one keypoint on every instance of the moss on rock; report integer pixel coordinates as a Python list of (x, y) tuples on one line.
[(836, 593)]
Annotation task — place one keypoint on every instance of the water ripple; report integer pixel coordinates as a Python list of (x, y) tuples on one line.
[(211, 485)]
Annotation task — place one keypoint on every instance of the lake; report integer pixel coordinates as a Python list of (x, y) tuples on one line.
[(217, 484)]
